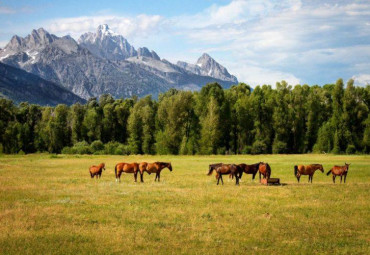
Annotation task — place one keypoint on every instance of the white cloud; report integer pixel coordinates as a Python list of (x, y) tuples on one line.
[(139, 26), (362, 79), (286, 37)]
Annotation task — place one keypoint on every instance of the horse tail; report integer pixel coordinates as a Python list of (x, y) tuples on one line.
[(115, 170), (329, 172), (295, 170)]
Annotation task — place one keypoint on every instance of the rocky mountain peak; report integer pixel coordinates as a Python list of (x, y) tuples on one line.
[(144, 52), (105, 43), (104, 30)]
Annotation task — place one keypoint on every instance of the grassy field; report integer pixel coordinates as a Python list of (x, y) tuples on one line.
[(49, 205)]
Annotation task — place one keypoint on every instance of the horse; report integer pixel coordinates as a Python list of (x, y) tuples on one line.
[(339, 170), (155, 167), (307, 170), (230, 169), (128, 168), (96, 170), (265, 170), (250, 169)]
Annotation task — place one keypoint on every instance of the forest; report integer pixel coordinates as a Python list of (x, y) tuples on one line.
[(333, 118)]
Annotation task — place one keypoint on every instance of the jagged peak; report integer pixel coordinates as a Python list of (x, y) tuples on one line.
[(105, 30)]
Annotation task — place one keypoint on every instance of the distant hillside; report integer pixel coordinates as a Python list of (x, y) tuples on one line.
[(21, 86)]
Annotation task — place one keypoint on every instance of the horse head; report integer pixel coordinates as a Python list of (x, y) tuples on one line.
[(321, 168), (103, 166), (169, 166), (346, 166)]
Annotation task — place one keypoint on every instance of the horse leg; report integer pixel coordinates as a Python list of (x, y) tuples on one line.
[(218, 179), (92, 176), (159, 176), (259, 175), (333, 178), (311, 178), (341, 177), (237, 180), (156, 176), (345, 177), (254, 175), (141, 177)]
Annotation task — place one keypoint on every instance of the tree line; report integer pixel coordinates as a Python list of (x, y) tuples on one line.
[(300, 119)]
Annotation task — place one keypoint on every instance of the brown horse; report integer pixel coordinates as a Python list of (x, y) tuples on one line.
[(307, 170), (128, 168), (96, 170), (155, 167), (250, 169), (265, 170), (224, 169), (339, 170)]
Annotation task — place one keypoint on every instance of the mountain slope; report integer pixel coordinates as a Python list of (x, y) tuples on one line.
[(20, 86), (207, 66), (104, 62)]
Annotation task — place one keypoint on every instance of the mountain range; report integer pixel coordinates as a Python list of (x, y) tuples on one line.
[(105, 62)]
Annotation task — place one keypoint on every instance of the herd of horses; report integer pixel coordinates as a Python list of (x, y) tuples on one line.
[(132, 168), (232, 170)]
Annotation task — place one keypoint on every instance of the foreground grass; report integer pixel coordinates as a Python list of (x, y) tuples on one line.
[(50, 205)]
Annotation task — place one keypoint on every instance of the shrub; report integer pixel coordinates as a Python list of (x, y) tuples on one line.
[(259, 147), (81, 148), (279, 147), (21, 152), (247, 149), (97, 146), (110, 148), (351, 149), (67, 150), (221, 151), (122, 149)]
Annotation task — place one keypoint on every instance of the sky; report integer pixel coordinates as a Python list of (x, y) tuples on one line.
[(260, 42)]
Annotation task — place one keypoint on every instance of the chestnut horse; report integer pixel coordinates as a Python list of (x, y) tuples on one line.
[(155, 167), (307, 170), (250, 169), (96, 170), (128, 168), (230, 169), (265, 170), (339, 170)]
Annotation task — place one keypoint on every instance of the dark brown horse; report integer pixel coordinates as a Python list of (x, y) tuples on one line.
[(227, 169), (129, 168), (307, 170), (265, 170), (96, 170), (250, 169), (340, 171), (155, 167)]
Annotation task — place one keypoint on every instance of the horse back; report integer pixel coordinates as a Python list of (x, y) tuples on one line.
[(338, 170)]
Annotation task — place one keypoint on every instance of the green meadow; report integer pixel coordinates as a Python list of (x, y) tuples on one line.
[(50, 205)]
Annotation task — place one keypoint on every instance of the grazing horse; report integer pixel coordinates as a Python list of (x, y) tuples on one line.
[(155, 167), (250, 169), (265, 170), (96, 170), (307, 170), (128, 168), (230, 169), (339, 170)]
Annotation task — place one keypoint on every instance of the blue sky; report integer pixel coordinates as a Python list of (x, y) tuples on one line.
[(261, 42)]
